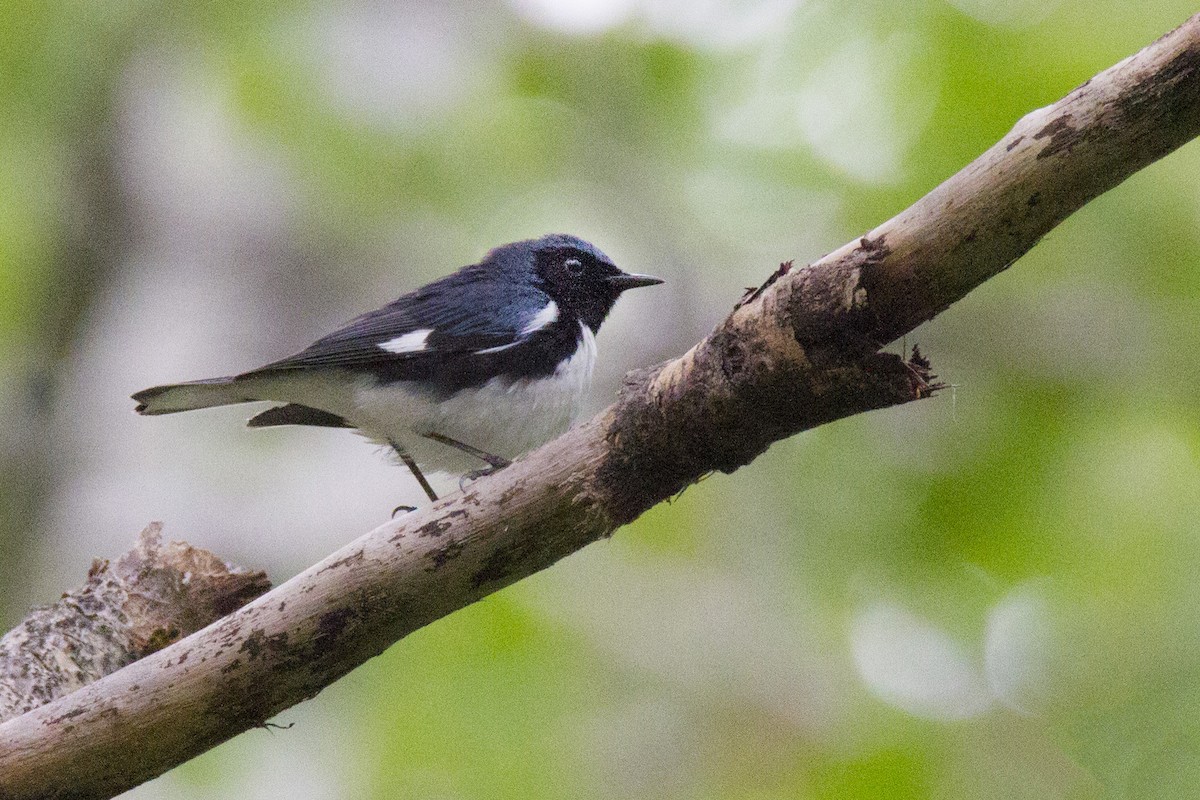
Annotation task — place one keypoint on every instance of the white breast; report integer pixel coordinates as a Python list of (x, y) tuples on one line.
[(504, 417)]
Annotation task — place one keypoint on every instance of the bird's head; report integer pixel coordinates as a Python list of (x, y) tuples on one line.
[(575, 274)]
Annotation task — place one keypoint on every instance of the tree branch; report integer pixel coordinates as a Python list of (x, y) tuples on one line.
[(152, 596), (798, 352)]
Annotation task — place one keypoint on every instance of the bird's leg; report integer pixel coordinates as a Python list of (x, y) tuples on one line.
[(415, 470), (494, 463)]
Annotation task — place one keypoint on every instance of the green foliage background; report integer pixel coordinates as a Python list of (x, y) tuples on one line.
[(987, 595)]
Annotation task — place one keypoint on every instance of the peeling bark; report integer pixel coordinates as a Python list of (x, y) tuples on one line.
[(152, 596)]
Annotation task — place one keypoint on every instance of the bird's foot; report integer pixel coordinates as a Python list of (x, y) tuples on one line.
[(483, 472), (405, 509)]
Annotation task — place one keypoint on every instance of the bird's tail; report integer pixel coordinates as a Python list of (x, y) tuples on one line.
[(177, 397)]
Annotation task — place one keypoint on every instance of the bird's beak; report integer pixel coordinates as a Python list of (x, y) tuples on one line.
[(624, 280)]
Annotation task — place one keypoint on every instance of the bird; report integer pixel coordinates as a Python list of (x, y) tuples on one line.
[(462, 375)]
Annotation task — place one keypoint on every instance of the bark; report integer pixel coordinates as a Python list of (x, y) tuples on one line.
[(152, 596), (799, 352)]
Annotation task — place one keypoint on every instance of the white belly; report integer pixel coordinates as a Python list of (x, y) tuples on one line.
[(503, 417)]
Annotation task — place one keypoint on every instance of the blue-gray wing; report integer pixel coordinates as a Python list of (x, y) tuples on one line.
[(453, 326)]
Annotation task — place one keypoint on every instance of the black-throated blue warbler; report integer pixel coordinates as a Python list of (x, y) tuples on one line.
[(477, 367)]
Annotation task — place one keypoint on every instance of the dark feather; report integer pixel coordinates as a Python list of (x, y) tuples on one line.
[(480, 308), (296, 414), (477, 308), (467, 311)]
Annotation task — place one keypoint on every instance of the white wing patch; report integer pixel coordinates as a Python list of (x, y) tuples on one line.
[(547, 316), (413, 342)]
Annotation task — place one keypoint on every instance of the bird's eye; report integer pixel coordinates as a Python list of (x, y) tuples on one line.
[(573, 266)]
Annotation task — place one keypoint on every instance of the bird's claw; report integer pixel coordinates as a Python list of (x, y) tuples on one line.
[(405, 509), (476, 474)]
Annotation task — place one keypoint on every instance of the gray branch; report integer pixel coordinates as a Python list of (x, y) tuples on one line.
[(801, 351)]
